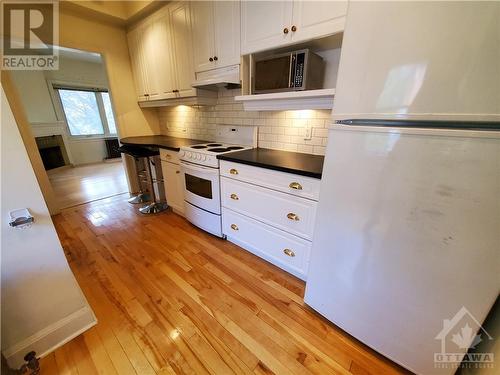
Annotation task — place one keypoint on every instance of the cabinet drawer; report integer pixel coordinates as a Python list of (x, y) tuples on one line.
[(292, 214), (284, 250), (301, 186), (170, 156)]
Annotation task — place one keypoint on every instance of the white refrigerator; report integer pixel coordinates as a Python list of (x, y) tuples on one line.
[(406, 248)]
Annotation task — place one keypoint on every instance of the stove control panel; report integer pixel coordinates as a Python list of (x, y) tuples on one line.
[(199, 158)]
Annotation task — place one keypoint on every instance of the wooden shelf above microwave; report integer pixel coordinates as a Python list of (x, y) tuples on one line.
[(290, 100)]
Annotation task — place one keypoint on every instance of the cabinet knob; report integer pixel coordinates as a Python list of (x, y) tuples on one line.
[(234, 227), (294, 28), (295, 185), (175, 90), (289, 252), (234, 197), (293, 216), (285, 30), (210, 59), (177, 172), (216, 58), (233, 171)]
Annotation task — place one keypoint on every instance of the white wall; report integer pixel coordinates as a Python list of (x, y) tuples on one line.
[(45, 113), (42, 305), (35, 95)]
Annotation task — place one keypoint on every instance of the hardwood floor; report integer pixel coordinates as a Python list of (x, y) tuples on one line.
[(86, 183), (171, 299)]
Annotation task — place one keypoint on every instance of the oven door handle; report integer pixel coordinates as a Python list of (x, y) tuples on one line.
[(199, 168)]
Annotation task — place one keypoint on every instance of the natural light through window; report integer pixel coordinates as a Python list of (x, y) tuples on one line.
[(88, 113), (109, 112)]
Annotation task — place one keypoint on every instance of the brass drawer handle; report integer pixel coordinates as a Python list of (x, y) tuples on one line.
[(234, 197), (293, 216), (233, 171), (289, 252), (285, 30), (168, 156), (234, 227), (294, 28), (295, 185)]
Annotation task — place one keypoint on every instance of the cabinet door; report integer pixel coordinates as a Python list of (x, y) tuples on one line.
[(315, 19), (161, 72), (174, 187), (135, 46), (227, 33), (148, 50), (203, 35), (263, 24), (182, 47)]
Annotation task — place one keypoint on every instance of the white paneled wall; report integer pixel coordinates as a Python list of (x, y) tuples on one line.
[(282, 130)]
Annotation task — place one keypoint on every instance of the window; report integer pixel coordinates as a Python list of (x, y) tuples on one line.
[(87, 112)]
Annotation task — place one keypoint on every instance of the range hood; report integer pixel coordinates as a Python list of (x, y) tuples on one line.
[(214, 79)]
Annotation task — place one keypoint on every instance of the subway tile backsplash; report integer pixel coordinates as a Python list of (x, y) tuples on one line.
[(282, 130)]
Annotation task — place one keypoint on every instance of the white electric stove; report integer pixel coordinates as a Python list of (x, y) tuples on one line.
[(200, 168)]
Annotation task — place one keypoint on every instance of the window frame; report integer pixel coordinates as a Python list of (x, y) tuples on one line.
[(58, 85)]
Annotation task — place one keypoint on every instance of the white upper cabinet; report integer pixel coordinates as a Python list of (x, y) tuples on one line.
[(227, 33), (182, 47), (135, 44), (265, 24), (162, 55), (271, 24), (216, 34), (158, 51), (203, 35), (314, 19)]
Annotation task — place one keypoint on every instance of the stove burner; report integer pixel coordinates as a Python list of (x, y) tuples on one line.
[(214, 145), (199, 146), (231, 148), (218, 149)]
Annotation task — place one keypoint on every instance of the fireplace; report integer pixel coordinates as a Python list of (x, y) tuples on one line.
[(52, 151)]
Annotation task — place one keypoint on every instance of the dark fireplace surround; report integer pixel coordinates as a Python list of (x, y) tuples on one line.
[(52, 151)]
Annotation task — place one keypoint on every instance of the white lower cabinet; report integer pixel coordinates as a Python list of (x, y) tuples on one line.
[(284, 250), (174, 186), (264, 216), (281, 210)]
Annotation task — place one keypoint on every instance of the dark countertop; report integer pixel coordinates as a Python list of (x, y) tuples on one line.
[(284, 161), (160, 141)]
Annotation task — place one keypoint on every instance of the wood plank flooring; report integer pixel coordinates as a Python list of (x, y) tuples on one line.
[(171, 299), (86, 183)]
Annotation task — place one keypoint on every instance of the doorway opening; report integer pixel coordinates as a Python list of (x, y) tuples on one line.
[(70, 111)]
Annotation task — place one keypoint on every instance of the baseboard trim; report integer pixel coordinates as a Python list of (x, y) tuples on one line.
[(52, 337)]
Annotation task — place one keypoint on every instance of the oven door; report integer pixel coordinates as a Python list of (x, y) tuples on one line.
[(202, 186)]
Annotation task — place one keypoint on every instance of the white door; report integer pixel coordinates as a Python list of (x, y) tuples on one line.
[(135, 45), (182, 47), (203, 35), (315, 19), (227, 33), (162, 70), (265, 25), (148, 50), (201, 187), (174, 186)]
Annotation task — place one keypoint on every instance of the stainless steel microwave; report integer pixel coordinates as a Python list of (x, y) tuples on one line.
[(291, 71)]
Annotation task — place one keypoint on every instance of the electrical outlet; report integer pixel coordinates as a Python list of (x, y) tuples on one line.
[(308, 132)]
